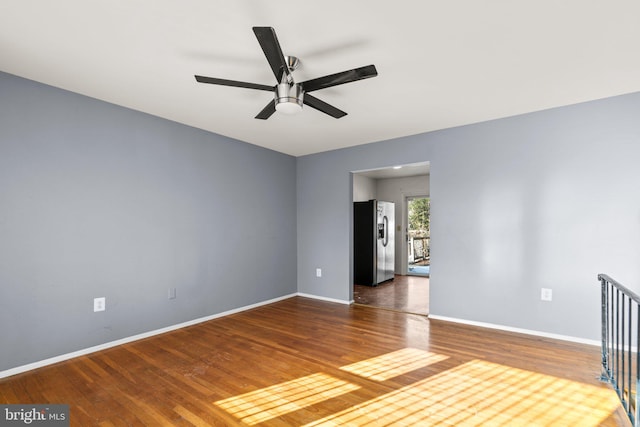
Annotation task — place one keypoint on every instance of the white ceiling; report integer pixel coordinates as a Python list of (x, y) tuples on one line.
[(440, 63)]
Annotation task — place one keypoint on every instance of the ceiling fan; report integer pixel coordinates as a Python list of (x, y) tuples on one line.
[(288, 95)]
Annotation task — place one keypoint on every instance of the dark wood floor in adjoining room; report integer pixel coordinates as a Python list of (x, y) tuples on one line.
[(307, 362), (409, 294)]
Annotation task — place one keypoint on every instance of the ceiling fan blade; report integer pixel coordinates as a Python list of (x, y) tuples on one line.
[(319, 105), (340, 78), (271, 47), (267, 111), (235, 83)]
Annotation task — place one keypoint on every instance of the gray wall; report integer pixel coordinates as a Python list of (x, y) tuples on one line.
[(98, 200), (547, 199)]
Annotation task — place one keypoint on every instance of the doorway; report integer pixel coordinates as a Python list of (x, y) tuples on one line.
[(418, 210), (406, 292)]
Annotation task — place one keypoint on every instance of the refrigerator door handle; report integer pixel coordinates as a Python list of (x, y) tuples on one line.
[(385, 221)]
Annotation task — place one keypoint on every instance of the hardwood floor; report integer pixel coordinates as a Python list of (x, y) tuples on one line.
[(306, 362), (409, 294)]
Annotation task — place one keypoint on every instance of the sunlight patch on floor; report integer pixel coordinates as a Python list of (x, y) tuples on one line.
[(480, 393), (393, 364), (271, 402)]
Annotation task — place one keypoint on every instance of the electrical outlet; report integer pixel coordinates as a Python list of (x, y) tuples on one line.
[(318, 272), (99, 304), (546, 294), (172, 293)]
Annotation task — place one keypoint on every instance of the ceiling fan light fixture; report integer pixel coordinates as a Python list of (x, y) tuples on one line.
[(289, 98)]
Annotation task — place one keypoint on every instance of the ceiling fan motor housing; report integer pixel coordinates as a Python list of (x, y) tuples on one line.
[(289, 98)]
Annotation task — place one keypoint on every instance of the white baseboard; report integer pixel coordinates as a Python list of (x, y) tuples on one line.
[(339, 301), (517, 330), (83, 352)]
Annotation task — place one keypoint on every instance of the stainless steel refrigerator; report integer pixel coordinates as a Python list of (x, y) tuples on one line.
[(373, 242)]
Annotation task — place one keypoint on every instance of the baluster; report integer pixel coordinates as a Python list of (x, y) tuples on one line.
[(604, 290), (629, 350), (622, 353), (635, 400), (613, 335), (616, 348)]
